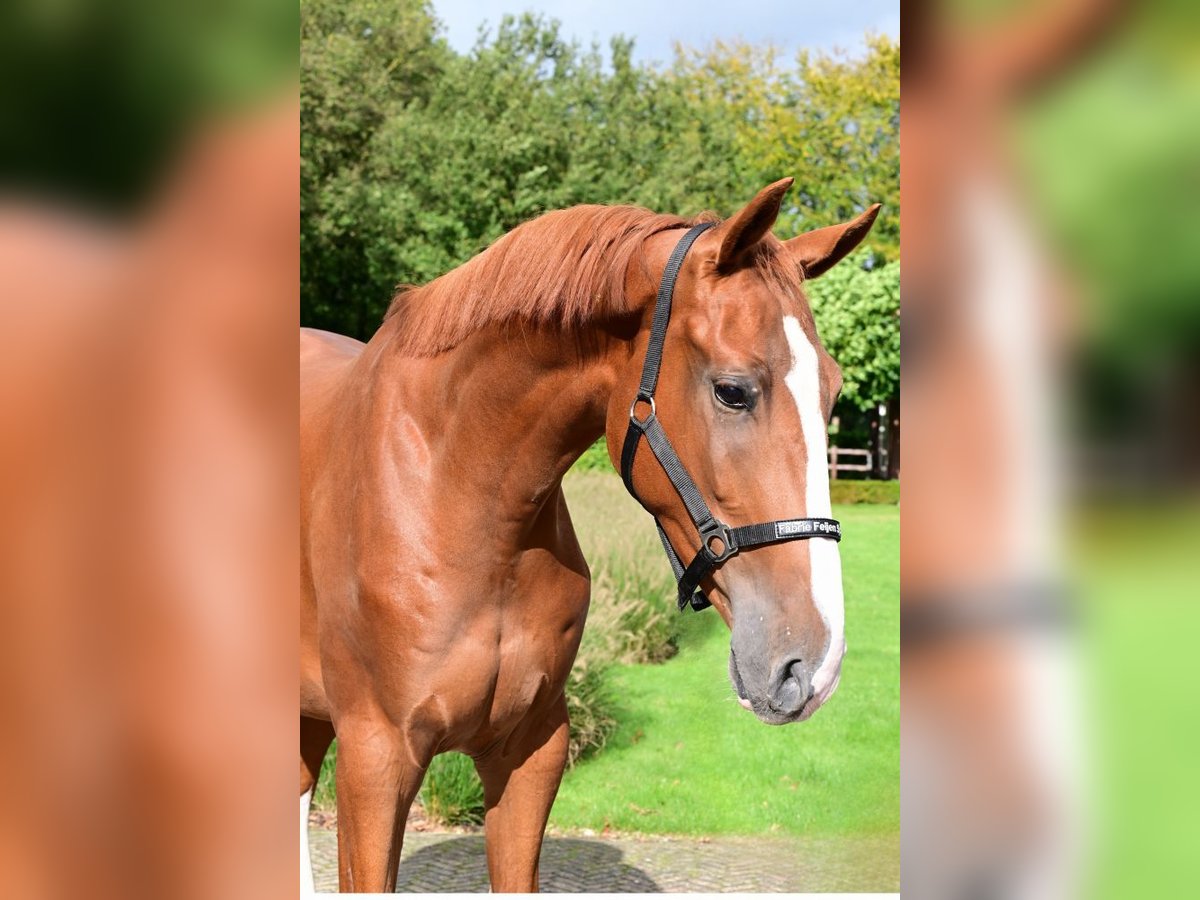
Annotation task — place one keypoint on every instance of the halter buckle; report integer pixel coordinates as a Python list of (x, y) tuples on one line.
[(713, 531)]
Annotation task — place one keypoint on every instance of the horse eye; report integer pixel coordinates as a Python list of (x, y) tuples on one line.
[(731, 395)]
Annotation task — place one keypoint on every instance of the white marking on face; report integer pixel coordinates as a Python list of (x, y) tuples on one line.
[(307, 887), (1006, 301), (804, 381)]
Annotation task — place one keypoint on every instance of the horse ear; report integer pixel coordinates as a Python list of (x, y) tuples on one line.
[(817, 251), (750, 225)]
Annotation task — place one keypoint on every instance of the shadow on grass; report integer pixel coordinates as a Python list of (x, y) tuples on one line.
[(693, 628), (568, 865)]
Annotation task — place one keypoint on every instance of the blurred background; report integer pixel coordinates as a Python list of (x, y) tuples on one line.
[(1050, 396), (148, 280)]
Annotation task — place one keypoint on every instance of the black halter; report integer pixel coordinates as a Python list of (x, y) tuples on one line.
[(718, 541)]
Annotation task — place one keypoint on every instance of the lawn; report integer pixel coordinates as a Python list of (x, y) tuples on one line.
[(687, 759)]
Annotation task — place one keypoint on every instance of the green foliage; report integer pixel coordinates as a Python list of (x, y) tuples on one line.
[(1119, 200), (362, 65), (452, 793), (632, 616), (858, 319), (594, 458), (100, 99), (848, 492), (831, 121)]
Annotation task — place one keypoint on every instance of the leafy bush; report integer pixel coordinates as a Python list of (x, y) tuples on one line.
[(842, 491), (858, 319), (452, 793)]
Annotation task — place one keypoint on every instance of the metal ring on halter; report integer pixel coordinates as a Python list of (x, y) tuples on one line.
[(640, 398)]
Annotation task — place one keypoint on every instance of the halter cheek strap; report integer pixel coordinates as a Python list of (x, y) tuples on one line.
[(718, 541)]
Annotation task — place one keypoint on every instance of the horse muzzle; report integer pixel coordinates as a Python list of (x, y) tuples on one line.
[(793, 690)]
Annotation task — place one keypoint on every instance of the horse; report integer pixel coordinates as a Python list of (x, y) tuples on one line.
[(444, 592)]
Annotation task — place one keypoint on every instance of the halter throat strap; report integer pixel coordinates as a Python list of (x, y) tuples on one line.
[(718, 541)]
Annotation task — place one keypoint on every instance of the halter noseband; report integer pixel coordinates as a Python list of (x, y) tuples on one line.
[(718, 541)]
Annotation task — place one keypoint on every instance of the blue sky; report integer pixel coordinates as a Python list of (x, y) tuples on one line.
[(790, 24)]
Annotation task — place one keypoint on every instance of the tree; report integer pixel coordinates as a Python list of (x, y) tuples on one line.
[(831, 121), (362, 63)]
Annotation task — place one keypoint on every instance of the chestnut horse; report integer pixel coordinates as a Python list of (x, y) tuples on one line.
[(444, 591)]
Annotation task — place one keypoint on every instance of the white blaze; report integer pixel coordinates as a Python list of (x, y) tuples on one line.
[(804, 382)]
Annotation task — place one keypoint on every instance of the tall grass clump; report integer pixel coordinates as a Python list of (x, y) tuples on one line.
[(325, 793), (632, 614), (632, 618), (452, 793), (590, 707)]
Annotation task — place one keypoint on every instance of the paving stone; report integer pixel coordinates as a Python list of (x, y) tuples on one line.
[(435, 862)]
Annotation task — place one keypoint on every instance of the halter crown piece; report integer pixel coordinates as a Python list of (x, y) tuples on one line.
[(718, 541)]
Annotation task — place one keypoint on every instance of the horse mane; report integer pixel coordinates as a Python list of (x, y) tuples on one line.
[(567, 267)]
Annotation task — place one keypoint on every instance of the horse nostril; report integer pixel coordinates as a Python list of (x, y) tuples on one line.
[(790, 688)]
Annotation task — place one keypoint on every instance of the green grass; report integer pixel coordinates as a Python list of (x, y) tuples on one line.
[(687, 759), (1136, 565)]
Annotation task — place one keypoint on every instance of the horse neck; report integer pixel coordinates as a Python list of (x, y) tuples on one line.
[(502, 417)]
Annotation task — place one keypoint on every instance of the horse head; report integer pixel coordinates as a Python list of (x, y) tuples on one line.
[(745, 393)]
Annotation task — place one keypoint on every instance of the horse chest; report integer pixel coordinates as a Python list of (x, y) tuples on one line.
[(523, 681), (534, 651), (487, 661)]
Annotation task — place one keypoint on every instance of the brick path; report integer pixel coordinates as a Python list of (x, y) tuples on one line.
[(436, 862)]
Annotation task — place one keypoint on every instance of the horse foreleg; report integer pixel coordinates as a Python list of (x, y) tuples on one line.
[(377, 779), (519, 787), (315, 738)]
